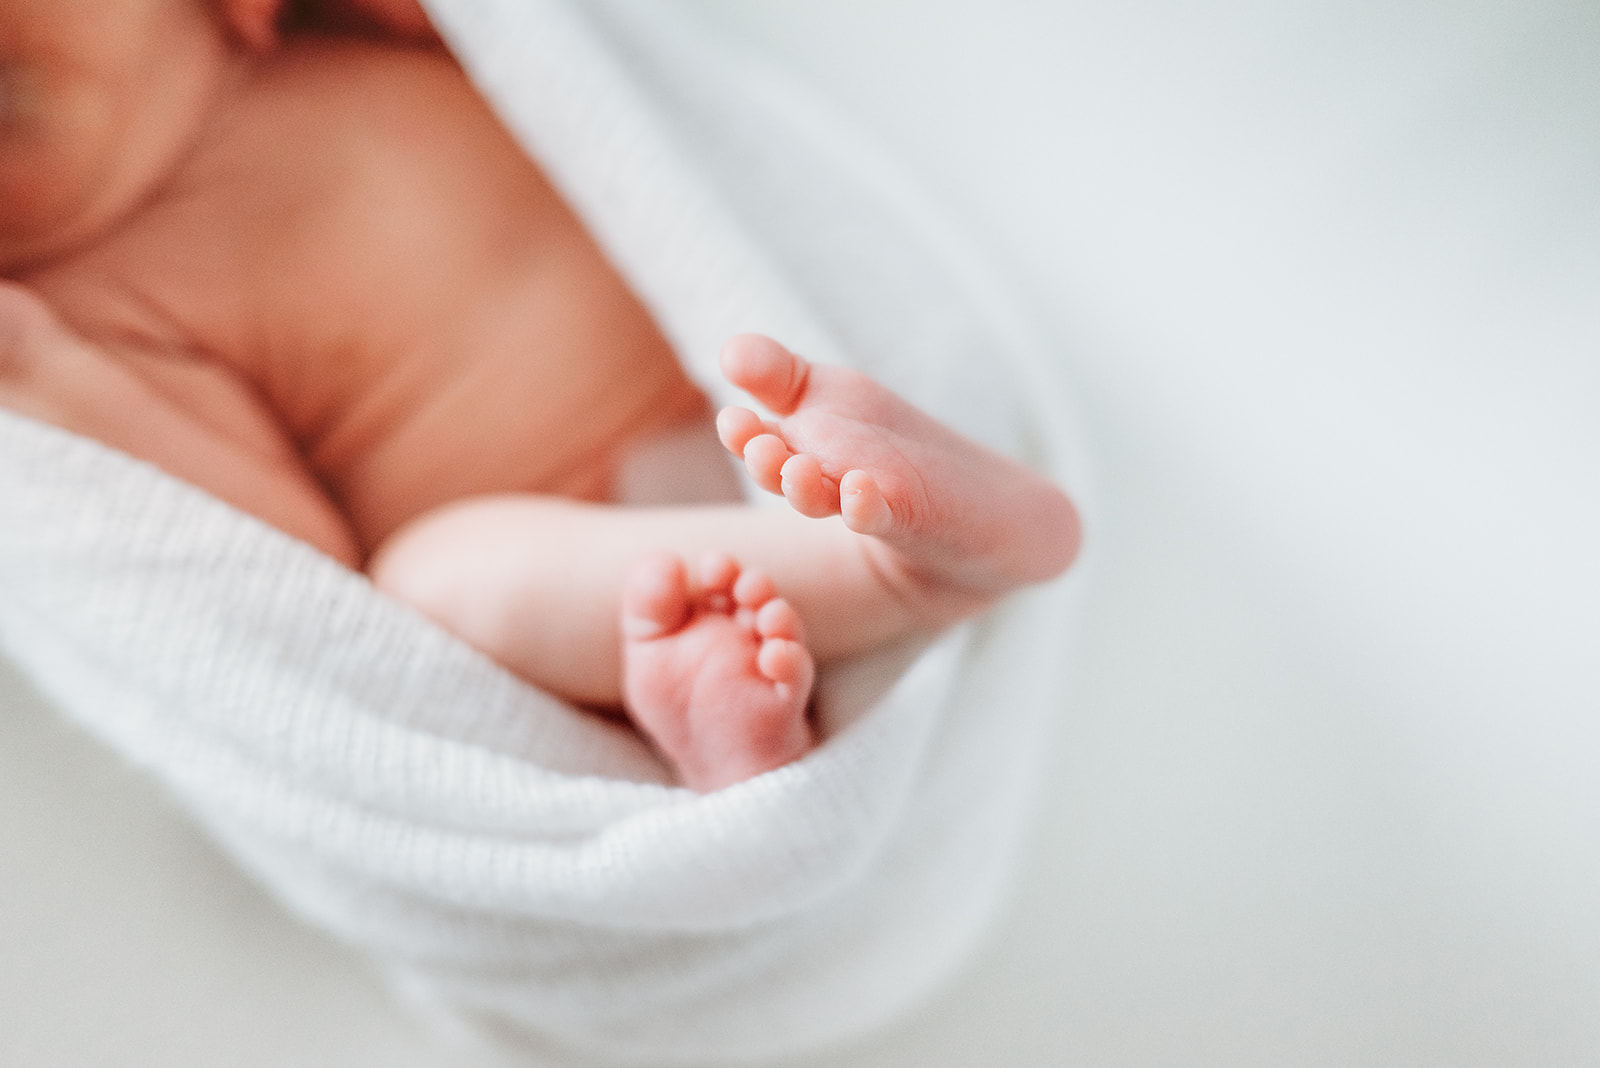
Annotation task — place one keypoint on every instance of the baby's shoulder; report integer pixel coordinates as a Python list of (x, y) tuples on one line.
[(380, 143), (349, 107), (334, 84), (370, 167)]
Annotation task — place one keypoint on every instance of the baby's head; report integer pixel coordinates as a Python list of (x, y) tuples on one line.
[(98, 100)]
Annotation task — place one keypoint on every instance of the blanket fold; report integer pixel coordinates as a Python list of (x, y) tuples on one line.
[(504, 858)]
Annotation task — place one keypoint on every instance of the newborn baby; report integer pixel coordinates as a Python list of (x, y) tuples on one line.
[(311, 274)]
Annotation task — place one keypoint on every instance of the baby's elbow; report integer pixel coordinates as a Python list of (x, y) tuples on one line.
[(405, 570)]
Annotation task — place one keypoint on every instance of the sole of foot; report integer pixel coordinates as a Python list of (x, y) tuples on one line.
[(956, 516), (715, 669)]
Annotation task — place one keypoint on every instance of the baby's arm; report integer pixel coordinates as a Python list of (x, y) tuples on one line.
[(190, 419), (537, 582)]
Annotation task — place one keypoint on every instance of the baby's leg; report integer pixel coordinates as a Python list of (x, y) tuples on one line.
[(537, 582), (919, 527), (942, 527), (714, 671)]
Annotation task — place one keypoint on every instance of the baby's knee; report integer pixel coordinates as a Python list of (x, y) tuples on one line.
[(433, 565), (410, 567)]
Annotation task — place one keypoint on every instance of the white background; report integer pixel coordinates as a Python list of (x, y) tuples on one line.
[(1326, 277)]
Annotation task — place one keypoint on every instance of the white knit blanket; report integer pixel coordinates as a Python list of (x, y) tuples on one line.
[(505, 859)]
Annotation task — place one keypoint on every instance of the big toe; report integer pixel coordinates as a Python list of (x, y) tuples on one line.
[(767, 371), (655, 597)]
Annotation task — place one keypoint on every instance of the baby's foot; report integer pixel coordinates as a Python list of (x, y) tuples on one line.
[(956, 520), (713, 669)]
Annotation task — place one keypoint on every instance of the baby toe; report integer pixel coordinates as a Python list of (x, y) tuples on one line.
[(754, 588), (863, 506), (737, 426), (717, 573), (764, 457), (807, 489), (778, 619), (655, 598), (786, 663)]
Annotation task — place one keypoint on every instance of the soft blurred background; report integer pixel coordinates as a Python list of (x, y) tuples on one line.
[(1326, 791)]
